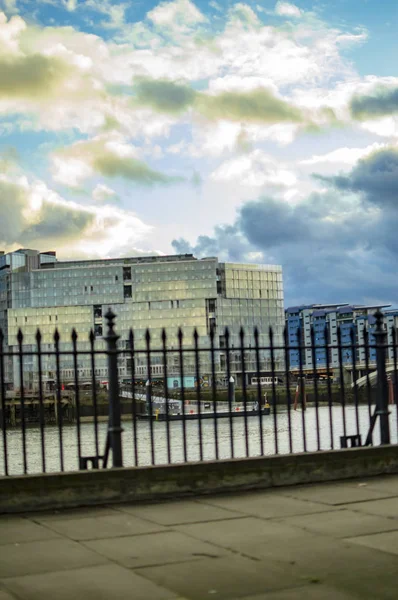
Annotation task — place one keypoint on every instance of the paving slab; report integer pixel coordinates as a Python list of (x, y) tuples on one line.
[(267, 505), (342, 523), (4, 595), (17, 529), (45, 556), (312, 556), (376, 581), (246, 534), (386, 542), (175, 513), (72, 513), (107, 582), (386, 485), (314, 591), (155, 549), (334, 493), (221, 578), (109, 526), (385, 507)]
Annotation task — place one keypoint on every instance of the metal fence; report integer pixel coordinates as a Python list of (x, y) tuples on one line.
[(258, 407)]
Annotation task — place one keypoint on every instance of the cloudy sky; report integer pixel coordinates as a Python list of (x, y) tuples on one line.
[(255, 131)]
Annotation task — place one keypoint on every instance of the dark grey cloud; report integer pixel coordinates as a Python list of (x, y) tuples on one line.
[(57, 224), (32, 76), (258, 105), (375, 176), (338, 246), (383, 101), (163, 95), (52, 223), (102, 158), (112, 165), (270, 223), (12, 203)]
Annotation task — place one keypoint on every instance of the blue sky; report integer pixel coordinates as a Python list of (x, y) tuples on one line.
[(257, 131)]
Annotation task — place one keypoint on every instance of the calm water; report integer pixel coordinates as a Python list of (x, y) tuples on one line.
[(271, 435)]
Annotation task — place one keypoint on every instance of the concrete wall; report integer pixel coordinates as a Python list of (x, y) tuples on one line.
[(54, 491)]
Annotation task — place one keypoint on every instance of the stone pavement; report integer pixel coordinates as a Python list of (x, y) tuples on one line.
[(335, 541)]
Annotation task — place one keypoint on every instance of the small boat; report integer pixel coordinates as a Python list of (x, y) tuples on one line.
[(178, 411)]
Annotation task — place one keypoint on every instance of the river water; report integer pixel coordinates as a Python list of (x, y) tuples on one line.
[(273, 434)]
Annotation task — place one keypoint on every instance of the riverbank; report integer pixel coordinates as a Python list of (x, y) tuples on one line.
[(89, 411)]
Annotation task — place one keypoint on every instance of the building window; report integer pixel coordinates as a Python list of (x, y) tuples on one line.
[(98, 330), (212, 305), (126, 273), (97, 311), (127, 291)]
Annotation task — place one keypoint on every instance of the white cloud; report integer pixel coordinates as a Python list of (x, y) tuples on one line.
[(42, 217), (215, 5), (71, 172), (384, 127), (224, 137), (214, 139), (103, 193), (71, 5), (114, 13), (236, 83), (178, 14), (345, 157), (114, 231), (256, 169), (243, 15), (10, 31), (286, 9)]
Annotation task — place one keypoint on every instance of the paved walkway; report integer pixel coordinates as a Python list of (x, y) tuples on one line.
[(322, 542)]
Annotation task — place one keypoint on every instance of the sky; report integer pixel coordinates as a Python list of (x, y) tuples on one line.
[(261, 131)]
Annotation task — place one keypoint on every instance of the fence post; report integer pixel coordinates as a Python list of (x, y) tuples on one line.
[(114, 427), (382, 387)]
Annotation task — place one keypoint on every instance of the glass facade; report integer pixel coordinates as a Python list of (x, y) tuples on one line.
[(153, 293)]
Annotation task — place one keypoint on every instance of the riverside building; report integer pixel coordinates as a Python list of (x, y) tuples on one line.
[(353, 321), (146, 293)]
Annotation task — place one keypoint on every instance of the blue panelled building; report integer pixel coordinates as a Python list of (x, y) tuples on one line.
[(328, 323)]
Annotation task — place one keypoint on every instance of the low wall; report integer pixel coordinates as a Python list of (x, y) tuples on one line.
[(63, 490)]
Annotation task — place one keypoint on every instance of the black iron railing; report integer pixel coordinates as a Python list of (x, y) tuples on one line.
[(253, 404)]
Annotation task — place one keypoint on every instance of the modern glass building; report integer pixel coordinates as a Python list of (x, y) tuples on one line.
[(146, 293)]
